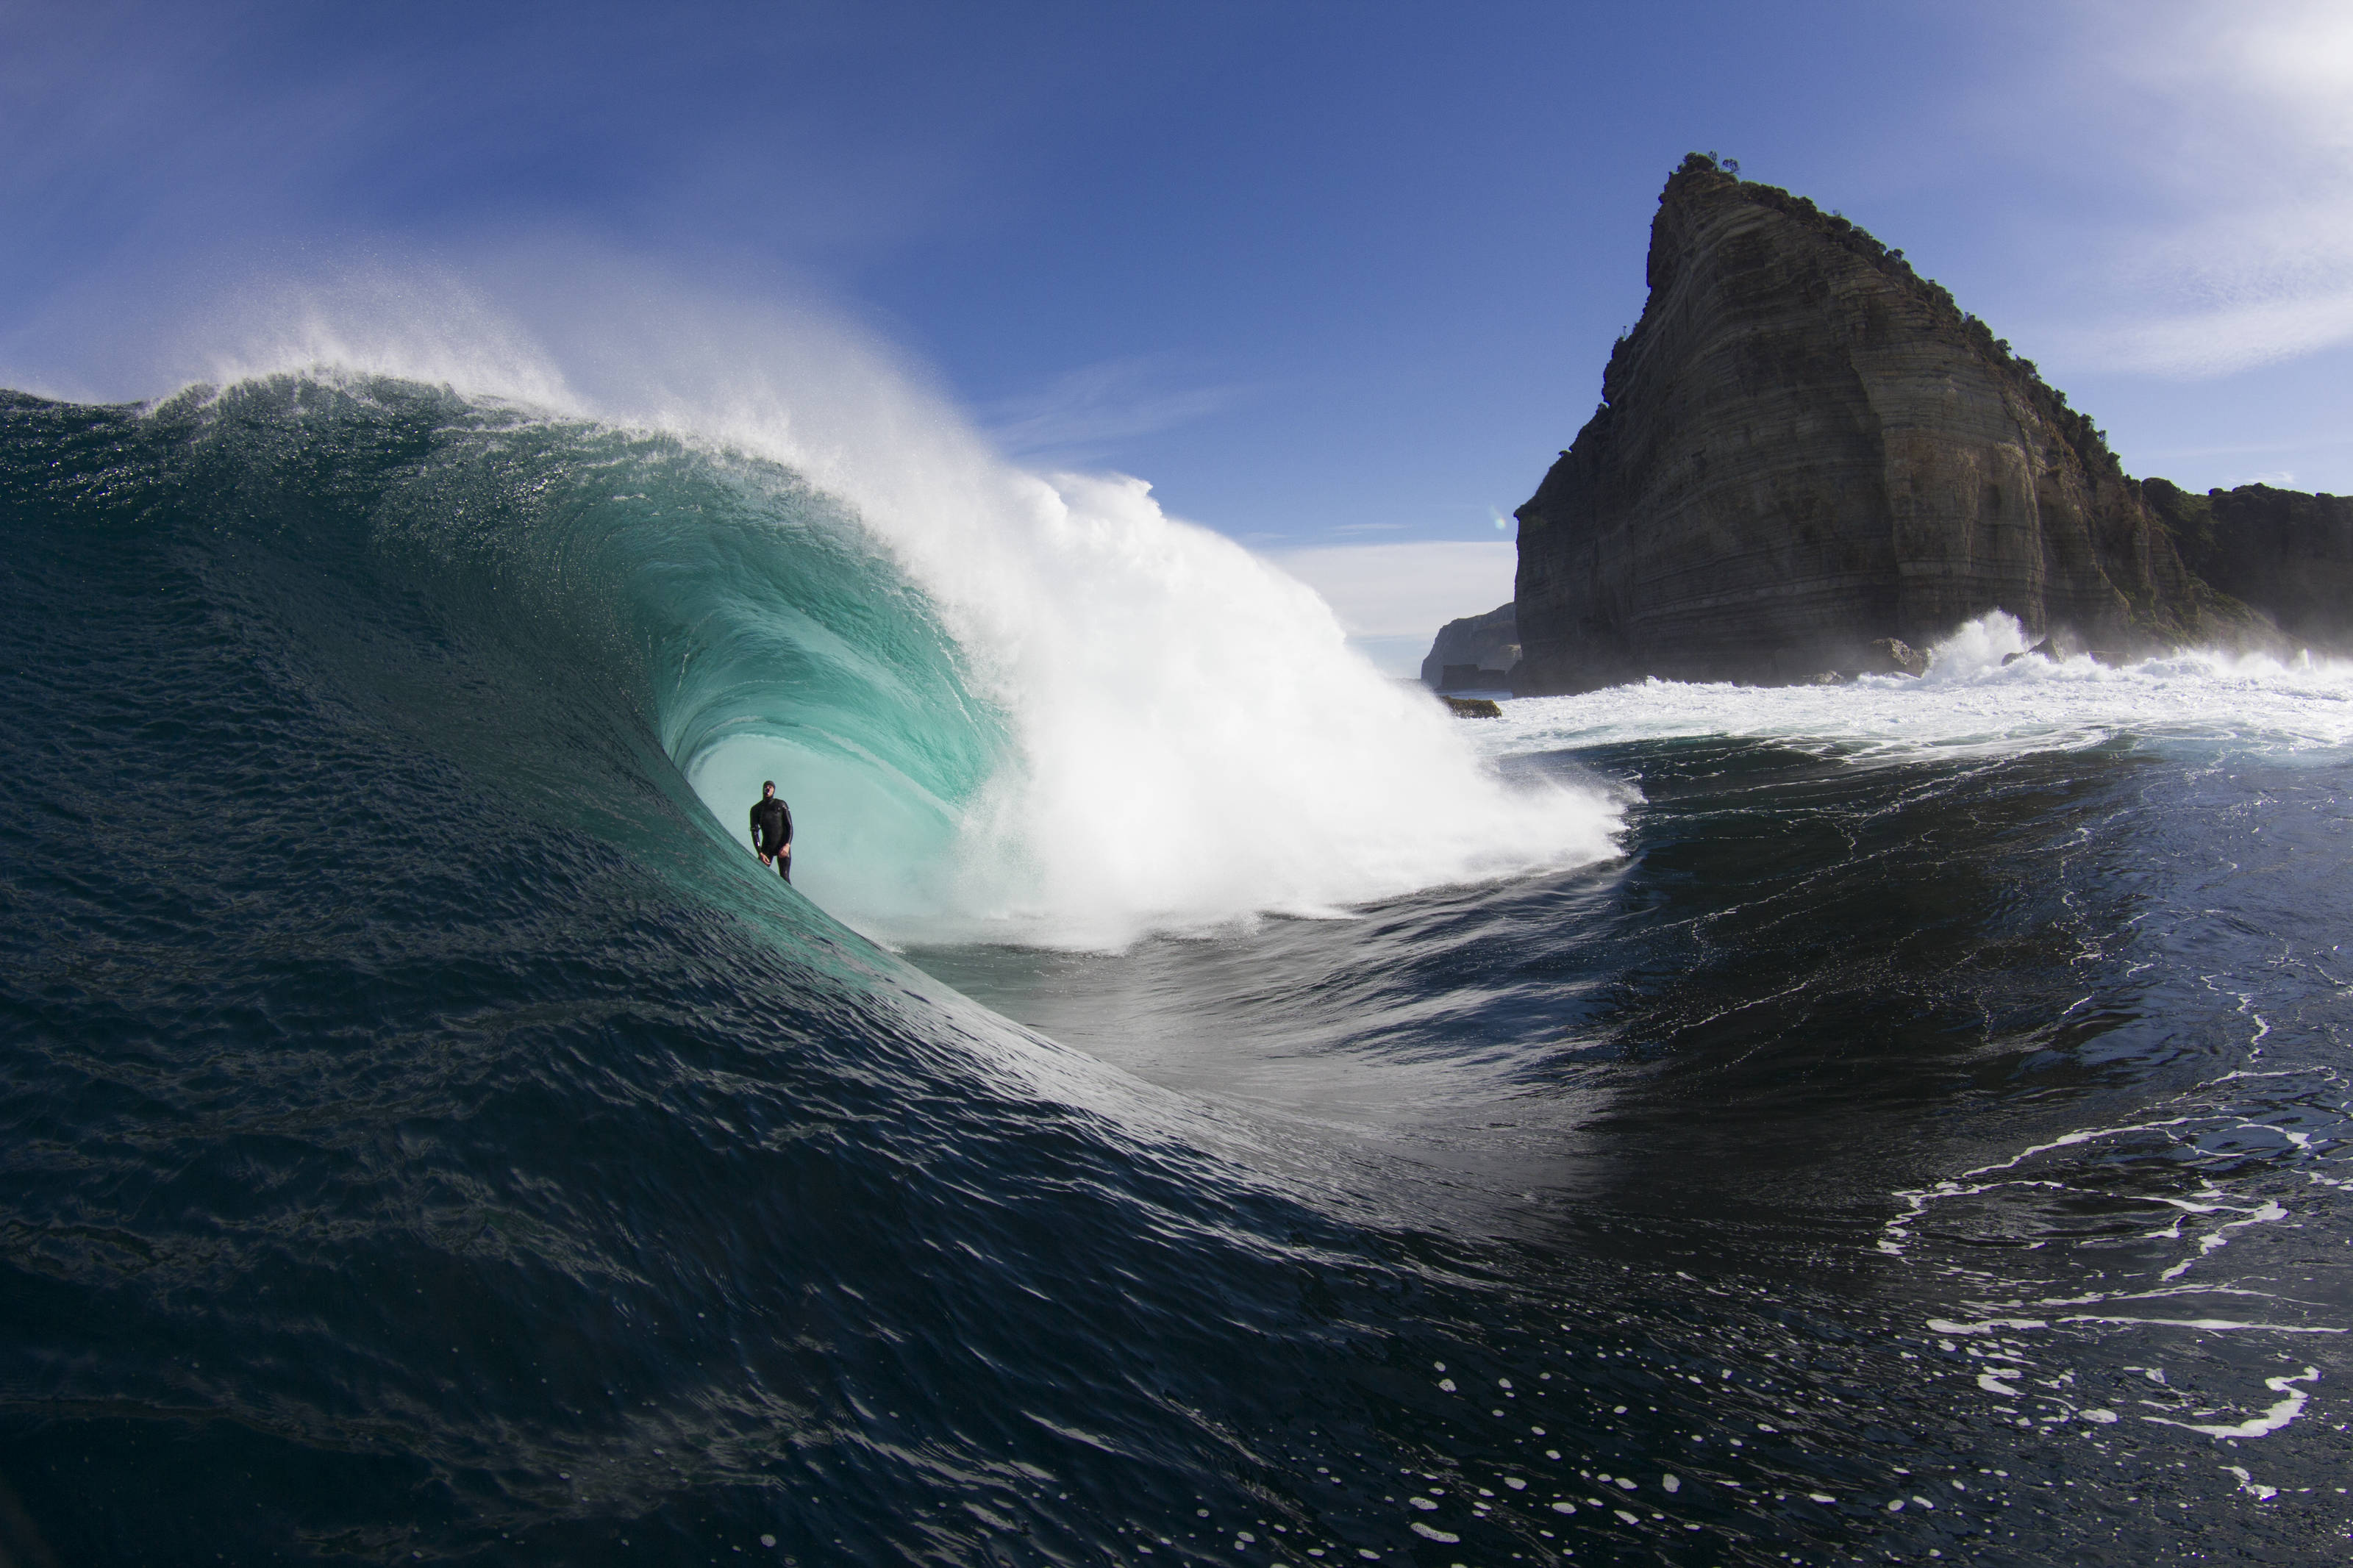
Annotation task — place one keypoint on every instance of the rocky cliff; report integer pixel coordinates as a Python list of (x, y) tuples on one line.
[(1804, 447), (1491, 641), (2288, 554)]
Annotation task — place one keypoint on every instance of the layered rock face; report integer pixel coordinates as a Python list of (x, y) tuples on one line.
[(2288, 554), (1488, 642), (1804, 447)]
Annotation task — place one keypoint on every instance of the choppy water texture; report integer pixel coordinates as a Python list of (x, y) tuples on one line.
[(430, 1136)]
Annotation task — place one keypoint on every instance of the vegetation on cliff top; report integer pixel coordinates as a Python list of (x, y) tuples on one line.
[(2088, 440)]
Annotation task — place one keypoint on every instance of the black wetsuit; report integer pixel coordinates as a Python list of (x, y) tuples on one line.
[(772, 831)]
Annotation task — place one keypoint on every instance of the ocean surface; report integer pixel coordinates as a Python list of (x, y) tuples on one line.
[(1199, 1104)]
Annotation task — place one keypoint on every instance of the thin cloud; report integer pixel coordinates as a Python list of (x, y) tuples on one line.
[(2238, 122), (1084, 414), (2220, 342)]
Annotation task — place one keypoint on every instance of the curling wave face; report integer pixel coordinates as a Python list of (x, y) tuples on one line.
[(1181, 740), (1002, 708)]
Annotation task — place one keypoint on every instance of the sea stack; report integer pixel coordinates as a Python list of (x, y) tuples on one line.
[(1805, 448)]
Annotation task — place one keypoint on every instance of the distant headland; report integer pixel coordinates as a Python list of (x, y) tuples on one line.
[(1805, 451)]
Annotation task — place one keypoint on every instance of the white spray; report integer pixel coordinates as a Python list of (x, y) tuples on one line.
[(1197, 743)]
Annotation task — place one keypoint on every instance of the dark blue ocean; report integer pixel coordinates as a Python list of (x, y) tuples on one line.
[(1184, 1112)]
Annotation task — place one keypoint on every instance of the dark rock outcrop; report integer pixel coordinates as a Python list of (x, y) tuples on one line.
[(1803, 449), (1892, 656), (1472, 707), (1491, 641), (2286, 553)]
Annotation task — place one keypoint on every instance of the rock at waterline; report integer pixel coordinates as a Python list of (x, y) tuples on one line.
[(1474, 678), (2044, 648), (1894, 656), (1472, 707), (1887, 656)]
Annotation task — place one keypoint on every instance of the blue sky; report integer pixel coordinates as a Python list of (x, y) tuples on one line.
[(1337, 279)]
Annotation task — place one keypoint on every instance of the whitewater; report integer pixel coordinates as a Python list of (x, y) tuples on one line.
[(1199, 1101), (1984, 695), (1179, 735)]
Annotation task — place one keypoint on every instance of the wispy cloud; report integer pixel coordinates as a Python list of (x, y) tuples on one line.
[(2238, 122), (1082, 415)]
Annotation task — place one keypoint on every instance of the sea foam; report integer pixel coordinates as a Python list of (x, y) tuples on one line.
[(1971, 703)]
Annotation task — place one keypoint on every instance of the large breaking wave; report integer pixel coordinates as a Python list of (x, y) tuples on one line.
[(1004, 706)]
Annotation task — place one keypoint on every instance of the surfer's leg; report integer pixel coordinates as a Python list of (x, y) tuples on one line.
[(785, 862)]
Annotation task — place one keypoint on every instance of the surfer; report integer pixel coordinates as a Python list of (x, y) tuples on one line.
[(772, 831)]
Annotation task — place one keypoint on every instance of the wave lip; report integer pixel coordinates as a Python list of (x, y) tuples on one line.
[(1190, 741)]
